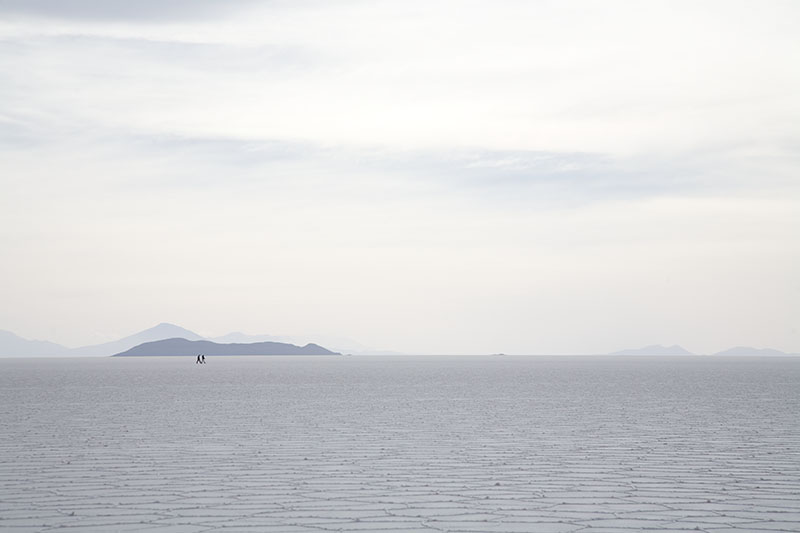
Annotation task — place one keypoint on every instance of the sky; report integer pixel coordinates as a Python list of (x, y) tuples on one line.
[(420, 176)]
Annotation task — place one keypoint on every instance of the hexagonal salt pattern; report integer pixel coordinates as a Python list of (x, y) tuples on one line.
[(473, 444)]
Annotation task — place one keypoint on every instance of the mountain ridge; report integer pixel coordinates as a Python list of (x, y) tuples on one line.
[(12, 344), (184, 347), (161, 331), (339, 344)]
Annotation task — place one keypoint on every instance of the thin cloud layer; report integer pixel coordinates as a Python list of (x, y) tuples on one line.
[(138, 11)]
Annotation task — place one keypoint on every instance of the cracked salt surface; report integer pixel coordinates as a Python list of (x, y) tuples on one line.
[(476, 444)]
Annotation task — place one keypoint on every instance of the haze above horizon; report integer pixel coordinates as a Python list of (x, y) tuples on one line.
[(426, 177)]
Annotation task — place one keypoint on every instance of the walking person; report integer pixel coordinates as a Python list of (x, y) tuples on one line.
[(198, 360), (203, 358)]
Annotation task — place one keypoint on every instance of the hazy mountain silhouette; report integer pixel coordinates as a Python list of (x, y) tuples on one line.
[(12, 345), (748, 350), (156, 333), (655, 349), (187, 347), (338, 344)]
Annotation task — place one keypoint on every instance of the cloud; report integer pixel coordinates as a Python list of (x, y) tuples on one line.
[(521, 76), (15, 133), (527, 171), (131, 11)]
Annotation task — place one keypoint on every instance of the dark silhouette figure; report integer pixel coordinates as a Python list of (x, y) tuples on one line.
[(203, 358), (198, 360)]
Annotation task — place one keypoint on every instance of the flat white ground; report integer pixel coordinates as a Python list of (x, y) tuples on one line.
[(475, 444)]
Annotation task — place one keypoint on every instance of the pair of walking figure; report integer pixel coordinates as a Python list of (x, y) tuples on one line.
[(201, 359)]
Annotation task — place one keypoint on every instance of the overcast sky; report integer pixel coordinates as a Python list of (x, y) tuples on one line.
[(421, 176)]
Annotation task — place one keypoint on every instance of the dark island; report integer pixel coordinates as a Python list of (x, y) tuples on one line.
[(179, 346)]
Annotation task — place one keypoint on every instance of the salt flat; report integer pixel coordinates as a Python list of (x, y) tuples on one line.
[(474, 444)]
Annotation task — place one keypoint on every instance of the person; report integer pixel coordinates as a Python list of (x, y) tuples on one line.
[(198, 360), (203, 358)]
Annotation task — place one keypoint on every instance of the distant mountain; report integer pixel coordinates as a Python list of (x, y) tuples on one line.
[(747, 350), (655, 349), (338, 344), (187, 347), (12, 345), (156, 333)]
